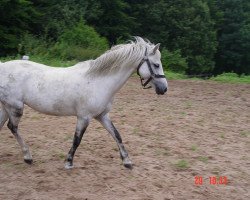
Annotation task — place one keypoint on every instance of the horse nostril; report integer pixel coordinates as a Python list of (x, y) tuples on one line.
[(166, 89)]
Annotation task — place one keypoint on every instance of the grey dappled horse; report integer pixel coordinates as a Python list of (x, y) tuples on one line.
[(85, 90)]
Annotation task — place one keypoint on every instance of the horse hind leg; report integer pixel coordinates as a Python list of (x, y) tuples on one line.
[(3, 116), (15, 114)]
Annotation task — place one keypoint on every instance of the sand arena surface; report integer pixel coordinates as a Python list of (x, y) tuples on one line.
[(200, 128)]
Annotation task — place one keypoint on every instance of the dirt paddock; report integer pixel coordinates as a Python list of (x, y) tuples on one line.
[(178, 144)]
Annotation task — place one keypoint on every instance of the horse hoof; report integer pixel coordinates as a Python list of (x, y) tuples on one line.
[(28, 161), (127, 163), (68, 166)]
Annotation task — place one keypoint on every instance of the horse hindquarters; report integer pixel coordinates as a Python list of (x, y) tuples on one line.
[(3, 116)]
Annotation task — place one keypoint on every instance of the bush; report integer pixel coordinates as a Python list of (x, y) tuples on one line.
[(31, 45), (81, 42), (84, 36), (173, 61), (66, 51)]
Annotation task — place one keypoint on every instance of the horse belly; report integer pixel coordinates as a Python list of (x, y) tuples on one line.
[(49, 99), (57, 108)]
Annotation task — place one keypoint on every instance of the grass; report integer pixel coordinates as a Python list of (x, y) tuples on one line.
[(223, 78), (194, 148), (188, 104), (61, 156), (222, 136), (183, 113), (231, 78), (203, 159), (245, 134), (68, 138), (174, 76), (162, 151), (182, 164), (135, 131)]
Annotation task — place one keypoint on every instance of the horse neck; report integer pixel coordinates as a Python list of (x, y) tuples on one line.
[(114, 81)]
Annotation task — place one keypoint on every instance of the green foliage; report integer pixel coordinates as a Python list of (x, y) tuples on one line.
[(173, 61), (232, 78), (15, 17), (32, 45), (179, 24), (80, 42), (55, 17), (84, 36), (66, 52), (234, 37), (110, 18), (199, 36), (50, 61)]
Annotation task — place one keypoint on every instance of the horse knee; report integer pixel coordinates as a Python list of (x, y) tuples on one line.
[(12, 127), (15, 115), (18, 112)]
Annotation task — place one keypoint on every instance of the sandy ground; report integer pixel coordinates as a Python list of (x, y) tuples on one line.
[(199, 129)]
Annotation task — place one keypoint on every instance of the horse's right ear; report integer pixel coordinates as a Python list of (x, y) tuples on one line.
[(156, 47)]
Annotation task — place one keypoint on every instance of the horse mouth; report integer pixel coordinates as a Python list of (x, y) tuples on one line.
[(160, 89), (161, 92)]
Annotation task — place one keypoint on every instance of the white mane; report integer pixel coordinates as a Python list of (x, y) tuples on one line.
[(113, 59)]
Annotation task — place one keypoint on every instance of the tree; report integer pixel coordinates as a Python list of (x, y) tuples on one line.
[(56, 16), (179, 25), (16, 17), (109, 18), (234, 37), (80, 42)]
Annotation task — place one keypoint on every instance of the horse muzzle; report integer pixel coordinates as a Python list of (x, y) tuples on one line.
[(160, 88)]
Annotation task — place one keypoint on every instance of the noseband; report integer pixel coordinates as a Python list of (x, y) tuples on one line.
[(152, 74)]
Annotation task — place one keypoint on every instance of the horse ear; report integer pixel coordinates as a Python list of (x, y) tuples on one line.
[(156, 48)]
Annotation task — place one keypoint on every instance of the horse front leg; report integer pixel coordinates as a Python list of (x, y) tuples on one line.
[(82, 124), (109, 126)]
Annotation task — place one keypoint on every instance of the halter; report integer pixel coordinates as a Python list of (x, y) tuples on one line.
[(152, 74)]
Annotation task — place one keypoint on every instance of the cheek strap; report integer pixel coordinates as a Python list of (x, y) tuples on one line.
[(152, 74)]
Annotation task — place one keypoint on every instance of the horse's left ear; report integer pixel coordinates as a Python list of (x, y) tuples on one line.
[(156, 48)]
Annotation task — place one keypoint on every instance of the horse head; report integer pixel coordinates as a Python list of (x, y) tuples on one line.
[(151, 70)]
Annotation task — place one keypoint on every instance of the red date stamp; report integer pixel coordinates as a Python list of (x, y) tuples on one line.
[(213, 180)]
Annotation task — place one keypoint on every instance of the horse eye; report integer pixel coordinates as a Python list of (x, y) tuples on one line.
[(156, 65)]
